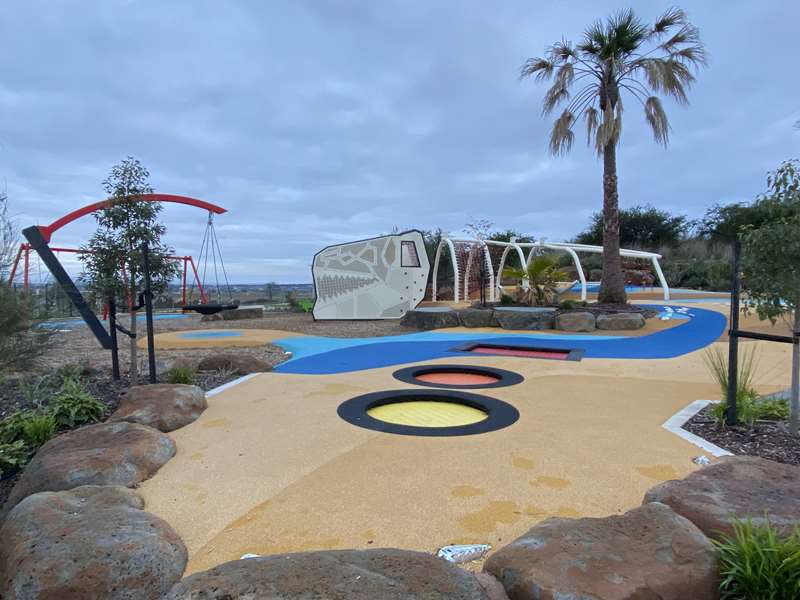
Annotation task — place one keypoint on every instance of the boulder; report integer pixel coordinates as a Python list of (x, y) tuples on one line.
[(430, 318), (649, 552), (118, 453), (88, 542), (243, 312), (210, 318), (519, 317), (240, 364), (620, 321), (575, 321), (736, 487), (476, 317), (387, 574), (493, 588), (164, 406)]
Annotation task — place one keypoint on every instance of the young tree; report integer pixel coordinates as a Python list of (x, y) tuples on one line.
[(113, 261), (621, 56), (20, 344), (771, 262)]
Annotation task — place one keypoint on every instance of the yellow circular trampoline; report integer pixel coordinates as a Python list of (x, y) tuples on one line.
[(428, 412)]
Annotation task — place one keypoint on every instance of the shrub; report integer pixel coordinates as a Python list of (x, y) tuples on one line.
[(74, 405), (758, 564), (37, 390), (73, 370), (13, 456), (181, 375), (38, 428), (12, 428)]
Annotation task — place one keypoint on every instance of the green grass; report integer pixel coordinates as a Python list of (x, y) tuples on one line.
[(749, 407), (181, 375), (758, 564)]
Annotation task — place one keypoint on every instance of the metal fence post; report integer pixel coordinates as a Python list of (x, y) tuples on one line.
[(731, 416)]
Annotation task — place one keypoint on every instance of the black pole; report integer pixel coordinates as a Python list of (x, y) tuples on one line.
[(39, 244), (112, 328), (148, 307), (731, 416)]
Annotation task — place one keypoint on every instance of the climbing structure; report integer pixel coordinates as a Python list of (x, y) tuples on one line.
[(378, 278)]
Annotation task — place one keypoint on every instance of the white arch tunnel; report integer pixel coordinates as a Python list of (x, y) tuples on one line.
[(477, 246)]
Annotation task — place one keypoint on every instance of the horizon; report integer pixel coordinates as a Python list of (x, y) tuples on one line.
[(415, 118)]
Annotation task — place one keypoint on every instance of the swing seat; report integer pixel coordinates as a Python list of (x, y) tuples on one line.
[(209, 309)]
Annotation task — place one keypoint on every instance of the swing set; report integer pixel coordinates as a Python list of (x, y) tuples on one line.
[(209, 252)]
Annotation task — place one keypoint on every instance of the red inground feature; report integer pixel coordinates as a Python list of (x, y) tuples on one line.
[(457, 378), (532, 353)]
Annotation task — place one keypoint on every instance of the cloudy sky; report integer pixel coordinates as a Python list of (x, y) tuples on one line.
[(320, 121)]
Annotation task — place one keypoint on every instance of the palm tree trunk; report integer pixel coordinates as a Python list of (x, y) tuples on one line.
[(612, 286)]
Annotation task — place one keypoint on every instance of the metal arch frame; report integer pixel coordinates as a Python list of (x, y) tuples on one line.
[(507, 246), (487, 260), (48, 230), (449, 243), (575, 259), (569, 248)]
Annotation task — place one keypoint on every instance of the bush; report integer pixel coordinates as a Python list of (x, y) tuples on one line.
[(38, 428), (74, 405), (21, 433), (181, 375), (13, 457), (750, 408), (757, 564), (12, 428)]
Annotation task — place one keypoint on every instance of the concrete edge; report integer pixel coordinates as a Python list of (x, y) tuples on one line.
[(675, 425), (230, 384)]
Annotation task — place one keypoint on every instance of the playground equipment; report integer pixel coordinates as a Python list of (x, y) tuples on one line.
[(377, 278), (210, 245), (467, 255)]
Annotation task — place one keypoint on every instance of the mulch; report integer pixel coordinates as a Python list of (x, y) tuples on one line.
[(766, 439)]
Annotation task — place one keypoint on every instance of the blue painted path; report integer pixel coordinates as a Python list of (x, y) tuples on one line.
[(320, 356)]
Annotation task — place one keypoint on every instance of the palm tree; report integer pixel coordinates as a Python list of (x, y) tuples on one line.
[(542, 275), (620, 55)]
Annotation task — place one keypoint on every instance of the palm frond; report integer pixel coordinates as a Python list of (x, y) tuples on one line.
[(669, 76), (657, 119), (674, 16), (559, 91), (591, 124), (560, 52), (562, 136), (688, 34), (695, 55), (540, 68)]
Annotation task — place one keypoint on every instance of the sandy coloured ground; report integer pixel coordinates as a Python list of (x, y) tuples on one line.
[(270, 467)]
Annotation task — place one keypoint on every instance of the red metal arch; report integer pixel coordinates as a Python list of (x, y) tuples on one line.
[(49, 230)]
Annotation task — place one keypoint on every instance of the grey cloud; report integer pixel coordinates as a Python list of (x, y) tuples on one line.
[(316, 122)]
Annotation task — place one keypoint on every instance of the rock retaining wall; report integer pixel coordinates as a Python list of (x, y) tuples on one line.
[(522, 318)]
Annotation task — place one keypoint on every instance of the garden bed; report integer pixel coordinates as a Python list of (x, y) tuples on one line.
[(36, 392), (765, 439)]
